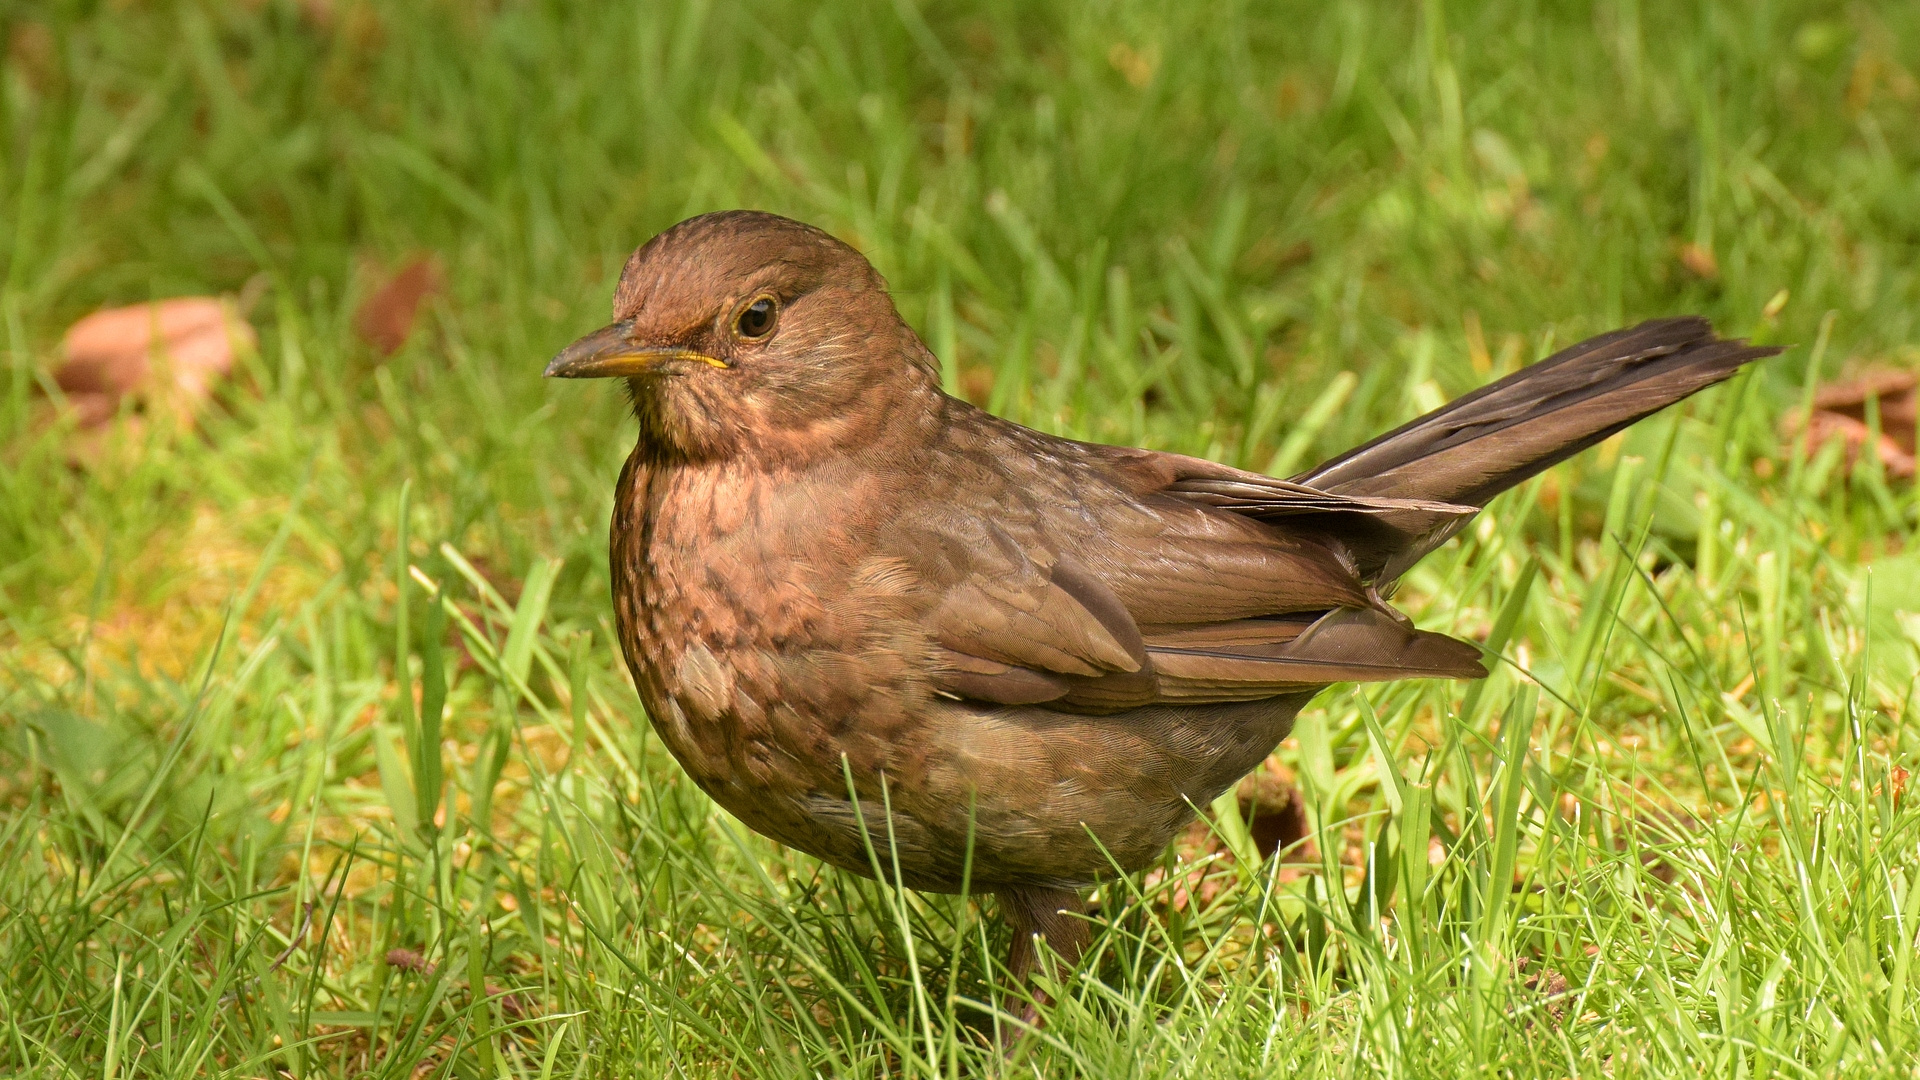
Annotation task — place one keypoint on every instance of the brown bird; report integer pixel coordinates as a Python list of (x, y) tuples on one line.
[(902, 634)]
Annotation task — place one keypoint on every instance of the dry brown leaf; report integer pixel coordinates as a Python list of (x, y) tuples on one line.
[(168, 353), (1840, 412), (1699, 261), (976, 383), (318, 13), (1276, 815), (387, 317), (1137, 66), (1551, 985), (409, 960)]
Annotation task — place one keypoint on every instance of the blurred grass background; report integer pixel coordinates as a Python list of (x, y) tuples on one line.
[(333, 676)]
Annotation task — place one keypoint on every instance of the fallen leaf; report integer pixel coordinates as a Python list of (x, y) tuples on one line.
[(1137, 66), (976, 383), (1826, 427), (511, 1005), (33, 53), (1699, 260), (1840, 412), (386, 318), (1893, 389), (1276, 816), (409, 960), (1550, 985), (91, 410), (318, 13), (169, 353)]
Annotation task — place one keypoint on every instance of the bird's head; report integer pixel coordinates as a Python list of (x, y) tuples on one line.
[(748, 333)]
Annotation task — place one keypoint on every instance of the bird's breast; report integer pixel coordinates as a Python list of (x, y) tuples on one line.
[(765, 636)]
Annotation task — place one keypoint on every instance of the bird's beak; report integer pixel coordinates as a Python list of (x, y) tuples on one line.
[(612, 352)]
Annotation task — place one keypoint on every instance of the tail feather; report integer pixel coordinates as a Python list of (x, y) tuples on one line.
[(1485, 442)]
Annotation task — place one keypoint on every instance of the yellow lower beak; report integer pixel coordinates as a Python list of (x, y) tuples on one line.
[(612, 352)]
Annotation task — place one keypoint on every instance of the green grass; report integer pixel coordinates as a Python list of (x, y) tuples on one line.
[(1680, 847)]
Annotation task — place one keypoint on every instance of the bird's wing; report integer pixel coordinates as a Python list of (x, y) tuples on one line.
[(1268, 499), (1020, 632), (1258, 658), (1168, 603)]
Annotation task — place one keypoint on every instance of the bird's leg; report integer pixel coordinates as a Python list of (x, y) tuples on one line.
[(1036, 914)]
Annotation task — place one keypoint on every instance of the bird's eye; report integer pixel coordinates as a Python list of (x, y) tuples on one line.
[(756, 319)]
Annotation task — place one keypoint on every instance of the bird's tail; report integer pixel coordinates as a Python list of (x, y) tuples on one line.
[(1483, 443)]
